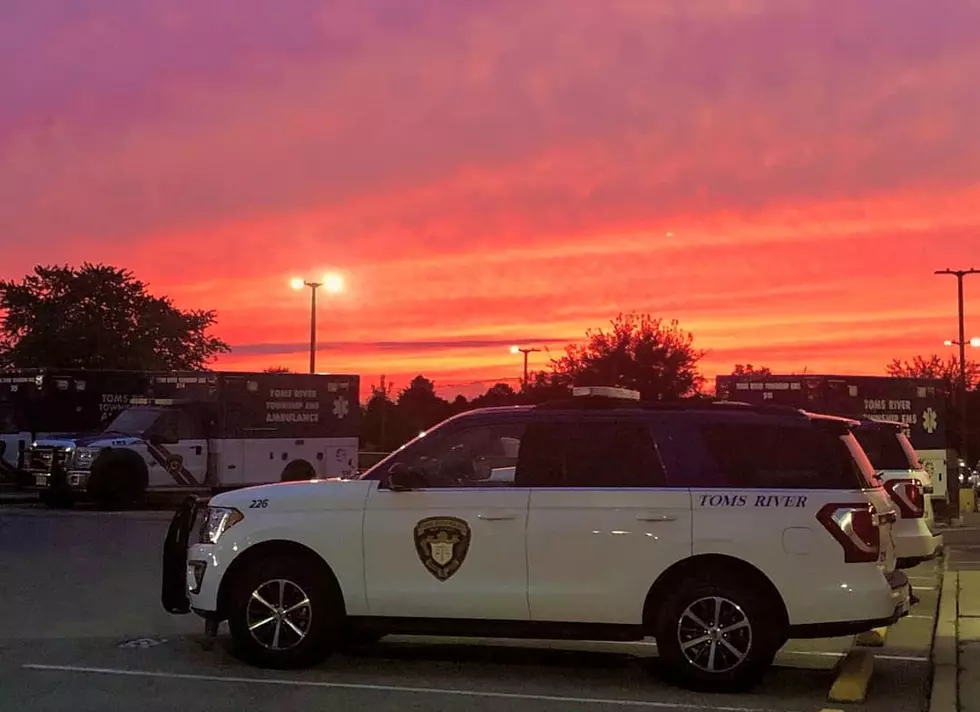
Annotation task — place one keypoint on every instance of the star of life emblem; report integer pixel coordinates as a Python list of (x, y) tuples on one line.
[(341, 408)]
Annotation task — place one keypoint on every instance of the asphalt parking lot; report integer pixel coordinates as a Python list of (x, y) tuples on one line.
[(81, 628)]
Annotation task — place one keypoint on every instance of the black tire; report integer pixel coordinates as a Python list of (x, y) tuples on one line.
[(298, 471), (321, 621), (757, 639)]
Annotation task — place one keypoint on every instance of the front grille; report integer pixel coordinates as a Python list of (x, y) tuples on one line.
[(43, 459)]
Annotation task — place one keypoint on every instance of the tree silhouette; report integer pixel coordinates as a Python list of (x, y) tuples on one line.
[(499, 394), (749, 370), (381, 426), (654, 357), (419, 407), (102, 317), (935, 366)]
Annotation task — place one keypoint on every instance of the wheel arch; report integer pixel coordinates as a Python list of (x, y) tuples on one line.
[(126, 457), (302, 467), (278, 548), (712, 564)]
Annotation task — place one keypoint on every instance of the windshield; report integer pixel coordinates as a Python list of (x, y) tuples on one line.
[(134, 421), (887, 449), (374, 472)]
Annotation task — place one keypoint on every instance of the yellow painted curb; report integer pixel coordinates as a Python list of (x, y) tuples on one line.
[(874, 638), (854, 677)]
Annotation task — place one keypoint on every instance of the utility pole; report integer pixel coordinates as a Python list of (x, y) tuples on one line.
[(953, 483), (525, 351)]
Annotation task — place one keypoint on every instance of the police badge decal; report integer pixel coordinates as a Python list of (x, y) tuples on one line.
[(442, 544)]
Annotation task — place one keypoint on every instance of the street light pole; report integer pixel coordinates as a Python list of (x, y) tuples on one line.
[(333, 283), (313, 286), (954, 482)]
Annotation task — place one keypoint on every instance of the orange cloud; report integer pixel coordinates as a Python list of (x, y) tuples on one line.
[(782, 179)]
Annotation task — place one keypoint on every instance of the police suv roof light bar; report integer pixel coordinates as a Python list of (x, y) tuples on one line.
[(606, 392)]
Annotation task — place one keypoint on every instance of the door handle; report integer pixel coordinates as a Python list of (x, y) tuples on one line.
[(656, 517), (496, 517)]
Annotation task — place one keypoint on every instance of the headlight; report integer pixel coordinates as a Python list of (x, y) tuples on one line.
[(85, 456), (217, 520)]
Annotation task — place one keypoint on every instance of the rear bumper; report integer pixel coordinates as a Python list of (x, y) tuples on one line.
[(915, 543), (901, 594)]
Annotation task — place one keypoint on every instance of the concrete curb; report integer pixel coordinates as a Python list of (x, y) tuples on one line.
[(854, 677), (944, 696)]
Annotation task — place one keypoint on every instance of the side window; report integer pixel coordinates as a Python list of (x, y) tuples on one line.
[(768, 456), (477, 456), (190, 426), (597, 453)]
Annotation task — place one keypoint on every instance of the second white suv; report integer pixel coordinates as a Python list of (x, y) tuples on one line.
[(721, 531), (908, 485)]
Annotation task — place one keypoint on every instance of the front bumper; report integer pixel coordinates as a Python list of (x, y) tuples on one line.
[(176, 581), (76, 480)]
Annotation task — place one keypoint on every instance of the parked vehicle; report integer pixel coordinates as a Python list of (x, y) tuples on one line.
[(898, 468), (721, 530), (203, 432)]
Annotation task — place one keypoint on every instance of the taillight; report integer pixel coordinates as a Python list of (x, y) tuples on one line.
[(855, 527), (908, 495)]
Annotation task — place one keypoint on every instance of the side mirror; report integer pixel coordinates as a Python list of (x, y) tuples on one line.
[(402, 478)]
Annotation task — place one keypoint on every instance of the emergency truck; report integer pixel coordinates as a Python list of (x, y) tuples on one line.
[(35, 403), (202, 432), (919, 404)]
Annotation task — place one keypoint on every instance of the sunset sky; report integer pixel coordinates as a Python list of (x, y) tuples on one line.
[(781, 176)]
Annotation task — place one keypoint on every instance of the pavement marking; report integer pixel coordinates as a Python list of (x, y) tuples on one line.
[(924, 588), (852, 682), (900, 658), (389, 688)]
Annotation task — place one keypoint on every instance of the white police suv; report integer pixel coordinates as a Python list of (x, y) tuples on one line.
[(721, 530)]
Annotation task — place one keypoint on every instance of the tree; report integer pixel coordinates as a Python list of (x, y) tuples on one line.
[(420, 404), (654, 357), (499, 394), (277, 369), (380, 427), (750, 370), (935, 366), (99, 316)]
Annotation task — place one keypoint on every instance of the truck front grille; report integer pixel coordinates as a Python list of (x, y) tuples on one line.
[(43, 459)]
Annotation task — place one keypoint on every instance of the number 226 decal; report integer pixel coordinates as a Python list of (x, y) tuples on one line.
[(259, 504)]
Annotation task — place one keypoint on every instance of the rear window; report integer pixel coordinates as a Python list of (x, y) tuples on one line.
[(776, 456), (886, 449)]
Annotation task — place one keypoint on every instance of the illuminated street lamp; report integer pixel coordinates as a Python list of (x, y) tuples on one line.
[(334, 284), (974, 342), (523, 350)]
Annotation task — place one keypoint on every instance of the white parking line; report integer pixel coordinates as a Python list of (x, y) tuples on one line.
[(391, 688), (901, 658)]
